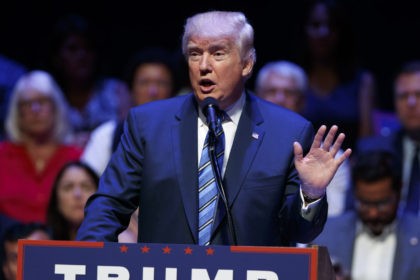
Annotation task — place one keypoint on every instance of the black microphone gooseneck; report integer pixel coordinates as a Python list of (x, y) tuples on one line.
[(211, 111)]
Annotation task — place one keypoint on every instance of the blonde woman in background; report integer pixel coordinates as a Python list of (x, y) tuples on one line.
[(37, 132)]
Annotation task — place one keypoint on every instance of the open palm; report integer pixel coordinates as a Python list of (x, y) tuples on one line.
[(318, 167)]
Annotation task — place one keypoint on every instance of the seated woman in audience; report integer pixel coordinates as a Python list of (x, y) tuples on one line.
[(37, 130), (74, 184)]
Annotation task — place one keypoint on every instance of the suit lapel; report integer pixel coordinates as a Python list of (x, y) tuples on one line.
[(184, 143), (248, 139)]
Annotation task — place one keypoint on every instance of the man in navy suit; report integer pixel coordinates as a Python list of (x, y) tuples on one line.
[(275, 195), (373, 241), (404, 142)]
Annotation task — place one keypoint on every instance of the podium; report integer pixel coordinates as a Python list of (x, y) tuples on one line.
[(76, 260)]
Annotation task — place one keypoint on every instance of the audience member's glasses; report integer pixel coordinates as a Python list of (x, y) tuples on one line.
[(404, 96), (381, 206), (27, 105), (285, 91)]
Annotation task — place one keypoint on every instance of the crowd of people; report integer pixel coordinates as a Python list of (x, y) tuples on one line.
[(63, 122)]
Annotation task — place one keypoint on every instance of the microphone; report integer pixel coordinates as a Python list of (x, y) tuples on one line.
[(210, 109)]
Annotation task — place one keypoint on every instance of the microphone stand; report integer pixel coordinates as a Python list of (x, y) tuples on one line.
[(219, 183)]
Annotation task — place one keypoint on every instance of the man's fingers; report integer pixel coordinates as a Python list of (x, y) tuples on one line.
[(337, 144), (318, 137), (344, 156), (298, 151), (329, 138)]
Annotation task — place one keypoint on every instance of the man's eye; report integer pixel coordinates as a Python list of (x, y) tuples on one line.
[(219, 55), (194, 55)]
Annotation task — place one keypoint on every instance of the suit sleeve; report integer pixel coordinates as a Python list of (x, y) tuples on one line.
[(108, 211), (295, 226)]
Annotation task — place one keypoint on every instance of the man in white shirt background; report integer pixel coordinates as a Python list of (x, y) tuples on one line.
[(374, 241)]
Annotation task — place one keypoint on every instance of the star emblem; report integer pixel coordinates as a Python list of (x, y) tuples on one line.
[(209, 251), (188, 251), (145, 249), (166, 250), (123, 249)]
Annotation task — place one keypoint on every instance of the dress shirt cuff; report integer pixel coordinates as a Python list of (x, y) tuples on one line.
[(309, 210)]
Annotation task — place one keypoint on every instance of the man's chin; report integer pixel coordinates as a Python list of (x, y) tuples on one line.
[(375, 228)]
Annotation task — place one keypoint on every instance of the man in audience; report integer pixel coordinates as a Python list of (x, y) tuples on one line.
[(33, 231), (150, 77), (405, 143), (373, 241)]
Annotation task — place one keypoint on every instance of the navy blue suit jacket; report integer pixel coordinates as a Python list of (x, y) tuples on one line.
[(155, 168), (339, 236)]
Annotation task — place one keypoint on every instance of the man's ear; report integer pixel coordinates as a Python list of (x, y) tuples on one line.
[(247, 68)]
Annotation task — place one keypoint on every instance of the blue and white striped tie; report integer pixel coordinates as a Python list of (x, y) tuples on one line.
[(208, 195)]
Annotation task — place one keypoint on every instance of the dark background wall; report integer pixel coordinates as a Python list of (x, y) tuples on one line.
[(388, 32)]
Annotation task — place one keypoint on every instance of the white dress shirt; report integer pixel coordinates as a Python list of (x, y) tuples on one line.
[(373, 256)]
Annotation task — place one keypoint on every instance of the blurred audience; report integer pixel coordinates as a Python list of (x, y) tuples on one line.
[(10, 71), (32, 231), (37, 130), (405, 142), (75, 63), (340, 92), (74, 184), (373, 242), (284, 83), (150, 77)]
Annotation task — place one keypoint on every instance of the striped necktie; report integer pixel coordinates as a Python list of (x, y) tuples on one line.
[(208, 194)]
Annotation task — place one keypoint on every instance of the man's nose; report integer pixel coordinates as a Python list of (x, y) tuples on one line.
[(279, 96), (205, 64), (153, 91), (373, 212), (412, 99)]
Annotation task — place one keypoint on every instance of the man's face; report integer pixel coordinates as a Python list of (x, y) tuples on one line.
[(377, 204), (282, 90), (152, 81), (407, 101), (10, 262), (11, 254), (216, 69)]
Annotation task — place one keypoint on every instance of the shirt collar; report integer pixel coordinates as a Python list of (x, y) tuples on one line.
[(409, 145), (235, 110)]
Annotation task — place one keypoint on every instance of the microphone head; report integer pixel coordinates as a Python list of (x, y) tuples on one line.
[(209, 102)]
